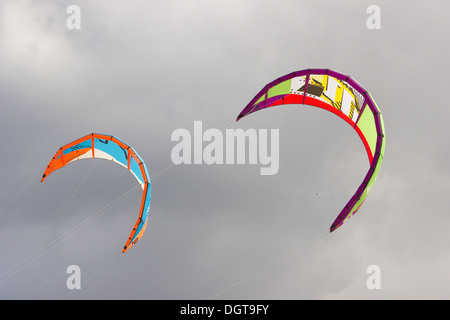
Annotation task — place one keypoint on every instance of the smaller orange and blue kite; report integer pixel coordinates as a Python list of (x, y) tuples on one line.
[(101, 146)]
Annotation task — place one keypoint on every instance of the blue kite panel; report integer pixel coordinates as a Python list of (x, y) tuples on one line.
[(113, 149)]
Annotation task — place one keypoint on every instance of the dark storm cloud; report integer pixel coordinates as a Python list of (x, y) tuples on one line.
[(141, 70)]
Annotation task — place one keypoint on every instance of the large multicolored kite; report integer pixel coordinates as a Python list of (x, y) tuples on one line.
[(101, 146), (341, 95)]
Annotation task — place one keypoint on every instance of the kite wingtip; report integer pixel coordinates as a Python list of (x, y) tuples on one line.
[(239, 117)]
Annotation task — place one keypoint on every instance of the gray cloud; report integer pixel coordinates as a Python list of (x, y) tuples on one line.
[(140, 71)]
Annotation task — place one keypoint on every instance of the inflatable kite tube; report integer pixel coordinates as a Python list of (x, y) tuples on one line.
[(101, 146), (343, 96)]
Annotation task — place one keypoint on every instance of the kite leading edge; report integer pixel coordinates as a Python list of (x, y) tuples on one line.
[(343, 96), (101, 146)]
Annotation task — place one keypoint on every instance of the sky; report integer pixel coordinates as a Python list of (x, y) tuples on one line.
[(140, 70)]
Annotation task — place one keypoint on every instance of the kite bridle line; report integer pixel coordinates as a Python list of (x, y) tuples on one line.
[(61, 238)]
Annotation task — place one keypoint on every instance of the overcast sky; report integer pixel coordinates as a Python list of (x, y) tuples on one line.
[(140, 70)]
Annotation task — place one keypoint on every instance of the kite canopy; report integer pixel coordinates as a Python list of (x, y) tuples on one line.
[(101, 146), (341, 95)]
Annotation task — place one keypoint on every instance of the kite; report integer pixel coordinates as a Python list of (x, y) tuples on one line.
[(343, 96), (101, 146)]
